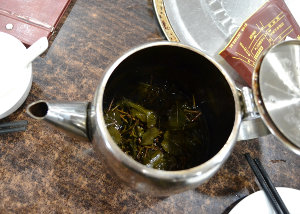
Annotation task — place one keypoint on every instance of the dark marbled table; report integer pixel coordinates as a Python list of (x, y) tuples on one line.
[(45, 171)]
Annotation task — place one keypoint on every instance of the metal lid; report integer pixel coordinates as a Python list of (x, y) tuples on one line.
[(277, 86)]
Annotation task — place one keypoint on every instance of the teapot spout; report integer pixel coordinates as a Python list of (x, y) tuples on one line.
[(72, 117)]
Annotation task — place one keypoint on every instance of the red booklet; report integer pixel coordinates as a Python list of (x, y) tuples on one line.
[(28, 20), (269, 25)]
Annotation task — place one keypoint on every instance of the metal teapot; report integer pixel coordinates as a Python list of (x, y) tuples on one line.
[(233, 114)]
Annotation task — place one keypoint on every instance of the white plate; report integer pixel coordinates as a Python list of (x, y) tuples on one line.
[(15, 80), (259, 203)]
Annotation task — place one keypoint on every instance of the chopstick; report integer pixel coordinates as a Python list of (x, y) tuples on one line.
[(14, 126), (267, 185)]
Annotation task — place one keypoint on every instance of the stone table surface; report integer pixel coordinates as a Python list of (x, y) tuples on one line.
[(44, 170)]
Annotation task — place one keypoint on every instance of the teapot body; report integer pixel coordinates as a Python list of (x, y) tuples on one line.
[(160, 182), (197, 74)]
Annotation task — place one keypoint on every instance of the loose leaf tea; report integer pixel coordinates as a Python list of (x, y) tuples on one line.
[(162, 128)]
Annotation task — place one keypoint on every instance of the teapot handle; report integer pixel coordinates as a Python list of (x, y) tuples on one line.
[(252, 126)]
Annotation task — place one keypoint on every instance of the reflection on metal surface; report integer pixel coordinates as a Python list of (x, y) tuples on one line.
[(252, 125), (276, 92), (249, 105), (280, 88), (252, 128), (225, 23), (71, 117)]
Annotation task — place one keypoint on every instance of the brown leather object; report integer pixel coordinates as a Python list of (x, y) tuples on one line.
[(28, 20)]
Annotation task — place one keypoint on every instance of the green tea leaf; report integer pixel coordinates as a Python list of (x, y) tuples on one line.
[(149, 136), (156, 160), (115, 134)]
